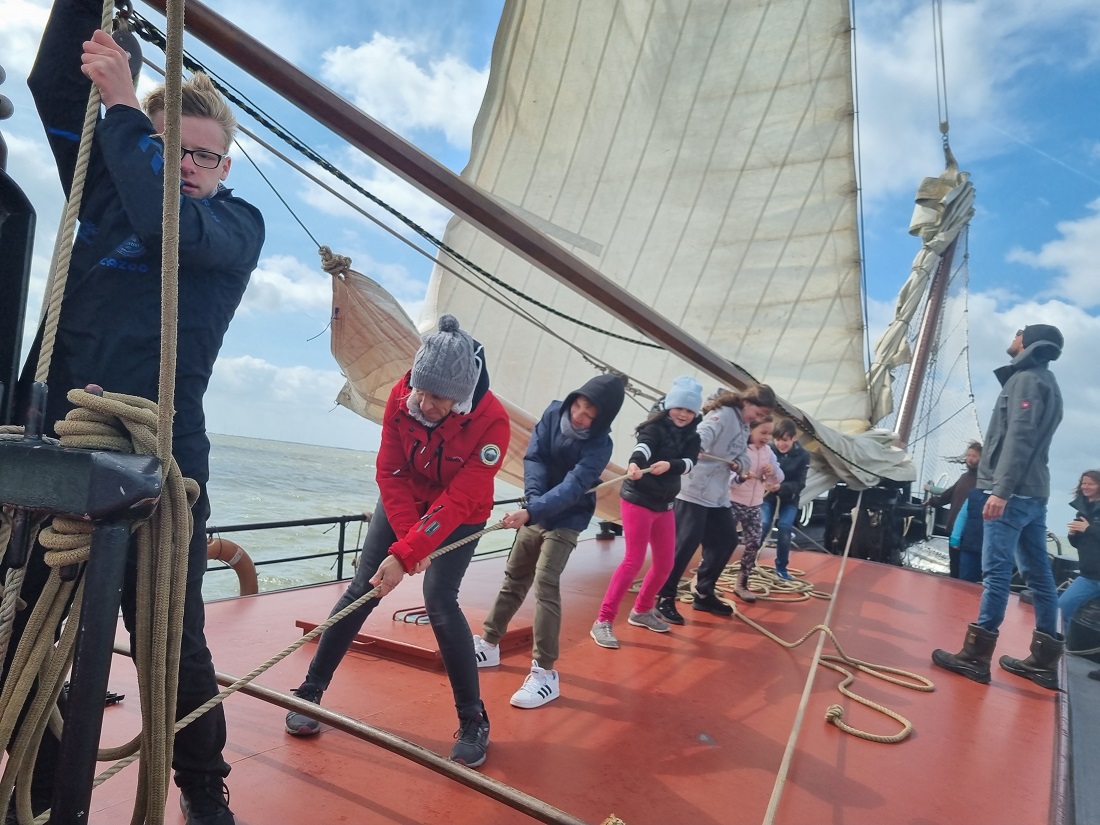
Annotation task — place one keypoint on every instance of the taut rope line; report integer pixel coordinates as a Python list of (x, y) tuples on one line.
[(834, 713), (278, 657)]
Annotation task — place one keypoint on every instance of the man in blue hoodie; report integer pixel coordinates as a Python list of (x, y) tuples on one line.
[(569, 449), (1014, 472)]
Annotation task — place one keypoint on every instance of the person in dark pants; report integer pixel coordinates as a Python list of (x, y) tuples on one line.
[(109, 326), (782, 505), (956, 495), (1014, 470), (444, 436), (966, 536), (702, 508)]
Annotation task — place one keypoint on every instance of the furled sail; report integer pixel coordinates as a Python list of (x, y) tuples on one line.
[(700, 155), (944, 207)]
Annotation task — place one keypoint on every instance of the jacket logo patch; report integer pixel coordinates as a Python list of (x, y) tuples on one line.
[(1025, 405), (132, 247), (431, 528), (490, 454)]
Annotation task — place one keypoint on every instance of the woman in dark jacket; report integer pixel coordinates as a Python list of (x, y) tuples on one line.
[(1084, 534)]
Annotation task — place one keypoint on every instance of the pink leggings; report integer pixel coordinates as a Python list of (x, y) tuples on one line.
[(641, 528)]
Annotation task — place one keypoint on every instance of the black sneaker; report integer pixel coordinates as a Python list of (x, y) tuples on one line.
[(667, 608), (206, 802), (298, 723), (473, 741), (709, 603)]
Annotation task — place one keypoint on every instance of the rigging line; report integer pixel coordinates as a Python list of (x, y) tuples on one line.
[(282, 200), (939, 46), (859, 188), (147, 30), (959, 411), (592, 359)]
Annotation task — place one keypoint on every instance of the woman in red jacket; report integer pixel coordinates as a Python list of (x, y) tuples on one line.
[(443, 438)]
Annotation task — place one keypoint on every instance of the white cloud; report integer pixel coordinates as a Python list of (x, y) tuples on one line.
[(404, 86), (19, 36), (1073, 256), (252, 397), (990, 46), (282, 283)]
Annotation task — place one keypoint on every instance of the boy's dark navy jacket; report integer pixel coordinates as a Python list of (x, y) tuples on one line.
[(661, 440), (558, 470), (109, 331), (794, 463)]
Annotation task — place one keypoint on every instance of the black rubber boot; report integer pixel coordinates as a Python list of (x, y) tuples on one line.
[(1041, 666), (974, 658)]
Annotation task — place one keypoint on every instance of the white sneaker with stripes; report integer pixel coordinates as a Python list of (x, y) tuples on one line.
[(540, 687), (485, 654)]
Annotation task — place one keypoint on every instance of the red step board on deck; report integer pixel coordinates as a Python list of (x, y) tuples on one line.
[(413, 643)]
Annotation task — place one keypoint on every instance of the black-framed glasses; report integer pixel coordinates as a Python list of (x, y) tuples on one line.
[(203, 157)]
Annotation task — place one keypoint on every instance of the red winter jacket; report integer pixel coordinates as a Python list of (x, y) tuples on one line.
[(434, 480)]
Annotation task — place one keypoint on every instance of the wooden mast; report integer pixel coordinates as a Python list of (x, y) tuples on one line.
[(926, 339)]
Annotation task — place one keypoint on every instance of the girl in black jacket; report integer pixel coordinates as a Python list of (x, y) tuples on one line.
[(668, 447)]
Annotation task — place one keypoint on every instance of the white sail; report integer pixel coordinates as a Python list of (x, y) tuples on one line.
[(700, 155)]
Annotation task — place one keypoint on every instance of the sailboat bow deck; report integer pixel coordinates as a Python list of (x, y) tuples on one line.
[(689, 726)]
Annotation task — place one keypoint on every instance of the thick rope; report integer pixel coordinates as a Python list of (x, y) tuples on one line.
[(102, 422), (375, 592), (60, 274)]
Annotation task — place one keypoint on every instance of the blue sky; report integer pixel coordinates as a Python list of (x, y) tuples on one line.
[(1021, 84)]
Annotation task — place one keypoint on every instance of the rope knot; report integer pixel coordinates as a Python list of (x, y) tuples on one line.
[(834, 714), (333, 264)]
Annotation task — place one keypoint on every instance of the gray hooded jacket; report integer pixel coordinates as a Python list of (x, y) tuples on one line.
[(1028, 410), (722, 433)]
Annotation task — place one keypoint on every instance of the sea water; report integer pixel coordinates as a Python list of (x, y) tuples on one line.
[(255, 481)]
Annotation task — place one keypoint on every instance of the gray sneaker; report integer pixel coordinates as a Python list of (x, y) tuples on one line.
[(601, 634), (301, 724), (650, 620)]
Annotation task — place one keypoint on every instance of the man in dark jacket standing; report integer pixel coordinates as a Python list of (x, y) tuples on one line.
[(568, 451), (955, 495), (1014, 471)]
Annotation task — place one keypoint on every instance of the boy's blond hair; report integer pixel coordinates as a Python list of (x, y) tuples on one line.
[(200, 99)]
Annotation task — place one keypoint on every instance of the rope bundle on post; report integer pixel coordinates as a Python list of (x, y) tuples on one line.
[(124, 424)]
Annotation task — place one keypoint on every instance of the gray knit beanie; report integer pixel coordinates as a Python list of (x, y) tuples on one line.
[(445, 365)]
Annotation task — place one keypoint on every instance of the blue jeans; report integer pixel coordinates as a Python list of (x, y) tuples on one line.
[(1021, 531), (788, 511), (1079, 591)]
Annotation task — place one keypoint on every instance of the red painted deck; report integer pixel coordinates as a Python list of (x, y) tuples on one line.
[(685, 727)]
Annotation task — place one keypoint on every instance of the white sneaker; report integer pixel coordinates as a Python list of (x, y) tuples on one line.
[(540, 687), (487, 655)]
